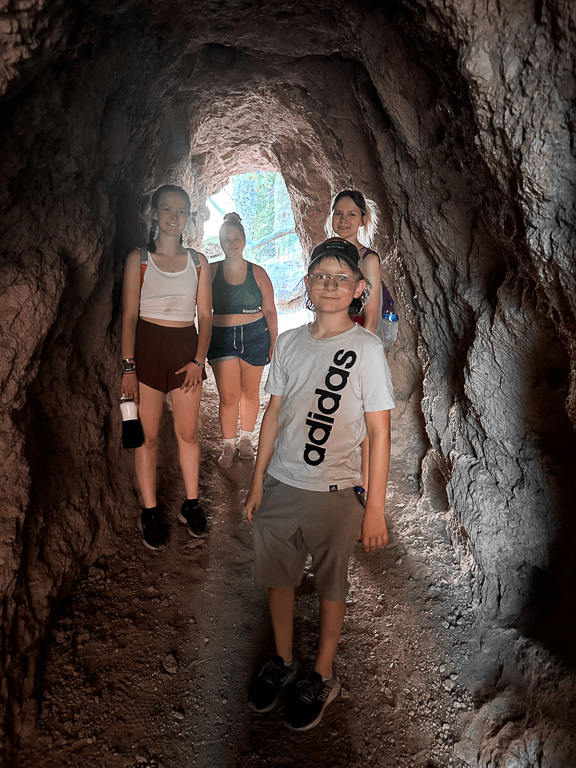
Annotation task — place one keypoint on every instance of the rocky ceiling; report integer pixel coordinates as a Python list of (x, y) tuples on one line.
[(456, 117)]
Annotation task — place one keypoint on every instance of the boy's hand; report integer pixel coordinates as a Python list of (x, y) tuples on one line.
[(374, 531), (253, 500), (268, 432)]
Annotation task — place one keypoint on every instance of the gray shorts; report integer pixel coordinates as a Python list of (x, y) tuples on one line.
[(292, 523)]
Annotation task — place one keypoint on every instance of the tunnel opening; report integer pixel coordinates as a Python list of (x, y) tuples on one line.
[(262, 201)]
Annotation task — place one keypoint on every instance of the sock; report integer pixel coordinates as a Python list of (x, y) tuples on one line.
[(288, 663), (325, 679), (245, 433), (229, 441), (193, 502)]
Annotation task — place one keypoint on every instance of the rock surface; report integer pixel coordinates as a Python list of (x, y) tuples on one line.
[(456, 117)]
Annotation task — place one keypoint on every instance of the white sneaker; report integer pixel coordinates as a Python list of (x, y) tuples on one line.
[(227, 456), (245, 449)]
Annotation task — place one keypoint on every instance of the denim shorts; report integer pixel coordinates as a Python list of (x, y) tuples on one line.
[(250, 342)]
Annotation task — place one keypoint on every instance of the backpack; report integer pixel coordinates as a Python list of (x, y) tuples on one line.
[(386, 296), (386, 329)]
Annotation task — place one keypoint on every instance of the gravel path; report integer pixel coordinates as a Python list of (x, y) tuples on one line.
[(153, 652)]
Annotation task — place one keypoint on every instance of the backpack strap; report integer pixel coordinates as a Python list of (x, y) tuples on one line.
[(196, 260), (143, 264), (368, 251)]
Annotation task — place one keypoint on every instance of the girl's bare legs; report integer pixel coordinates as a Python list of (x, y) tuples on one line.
[(251, 376), (185, 408), (145, 457), (229, 382), (239, 389)]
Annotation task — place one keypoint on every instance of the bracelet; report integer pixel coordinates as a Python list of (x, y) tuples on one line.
[(200, 365)]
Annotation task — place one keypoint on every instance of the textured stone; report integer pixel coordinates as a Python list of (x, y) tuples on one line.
[(456, 117)]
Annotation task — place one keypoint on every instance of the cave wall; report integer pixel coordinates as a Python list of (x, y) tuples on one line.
[(488, 256), (68, 137), (455, 119)]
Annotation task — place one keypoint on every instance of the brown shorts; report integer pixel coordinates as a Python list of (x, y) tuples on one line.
[(291, 523), (160, 351)]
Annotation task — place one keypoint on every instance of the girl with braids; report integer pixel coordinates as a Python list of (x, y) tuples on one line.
[(244, 330), (355, 218), (165, 287)]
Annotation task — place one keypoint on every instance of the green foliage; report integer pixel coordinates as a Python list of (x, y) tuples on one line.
[(211, 247), (262, 200), (254, 199), (288, 247)]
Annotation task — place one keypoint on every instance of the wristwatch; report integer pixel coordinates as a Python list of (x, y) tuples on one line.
[(128, 365)]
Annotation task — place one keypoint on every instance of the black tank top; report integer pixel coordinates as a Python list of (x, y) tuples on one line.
[(243, 299)]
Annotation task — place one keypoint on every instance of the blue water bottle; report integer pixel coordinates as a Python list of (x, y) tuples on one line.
[(389, 327)]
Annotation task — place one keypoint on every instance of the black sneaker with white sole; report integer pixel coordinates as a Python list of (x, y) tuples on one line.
[(193, 516), (264, 690), (155, 532), (308, 699)]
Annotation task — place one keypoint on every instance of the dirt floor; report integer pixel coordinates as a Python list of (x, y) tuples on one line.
[(152, 655)]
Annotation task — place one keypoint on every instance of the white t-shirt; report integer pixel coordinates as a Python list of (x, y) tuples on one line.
[(326, 385)]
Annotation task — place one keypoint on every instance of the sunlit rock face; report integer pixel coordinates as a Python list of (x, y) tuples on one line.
[(458, 125)]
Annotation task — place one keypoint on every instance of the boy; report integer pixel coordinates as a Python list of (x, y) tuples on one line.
[(329, 384)]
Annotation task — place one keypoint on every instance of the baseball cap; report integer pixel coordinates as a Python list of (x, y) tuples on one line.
[(336, 246)]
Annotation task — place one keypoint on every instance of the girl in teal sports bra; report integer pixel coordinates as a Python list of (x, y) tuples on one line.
[(244, 331)]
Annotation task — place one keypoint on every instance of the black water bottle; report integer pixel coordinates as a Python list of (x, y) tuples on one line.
[(132, 433)]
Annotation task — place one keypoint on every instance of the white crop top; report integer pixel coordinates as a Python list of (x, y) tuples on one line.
[(169, 295)]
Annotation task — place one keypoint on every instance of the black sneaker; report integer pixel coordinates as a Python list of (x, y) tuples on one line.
[(265, 690), (193, 516), (154, 529), (308, 700)]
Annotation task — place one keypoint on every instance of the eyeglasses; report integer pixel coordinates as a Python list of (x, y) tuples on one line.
[(344, 282)]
